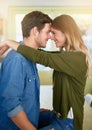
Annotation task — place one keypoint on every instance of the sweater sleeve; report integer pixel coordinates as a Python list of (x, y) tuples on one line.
[(71, 63)]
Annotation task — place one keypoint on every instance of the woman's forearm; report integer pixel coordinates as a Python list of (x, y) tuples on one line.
[(5, 45), (12, 44)]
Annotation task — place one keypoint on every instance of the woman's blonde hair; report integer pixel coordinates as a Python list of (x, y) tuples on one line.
[(74, 41)]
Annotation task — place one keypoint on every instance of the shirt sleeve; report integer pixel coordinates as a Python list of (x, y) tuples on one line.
[(12, 86), (71, 63), (15, 111)]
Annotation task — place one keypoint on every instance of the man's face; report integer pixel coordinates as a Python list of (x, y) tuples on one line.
[(43, 36)]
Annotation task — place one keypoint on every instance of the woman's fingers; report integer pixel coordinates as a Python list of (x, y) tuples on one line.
[(3, 49)]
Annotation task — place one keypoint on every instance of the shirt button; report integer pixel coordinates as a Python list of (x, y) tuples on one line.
[(29, 80)]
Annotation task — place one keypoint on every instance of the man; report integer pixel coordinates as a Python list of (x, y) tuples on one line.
[(19, 81), (48, 120)]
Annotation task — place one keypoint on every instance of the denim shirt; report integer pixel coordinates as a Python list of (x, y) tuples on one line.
[(19, 90)]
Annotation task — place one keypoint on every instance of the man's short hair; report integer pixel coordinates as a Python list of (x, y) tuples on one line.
[(34, 19)]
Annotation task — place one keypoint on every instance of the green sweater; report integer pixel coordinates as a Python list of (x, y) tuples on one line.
[(69, 79)]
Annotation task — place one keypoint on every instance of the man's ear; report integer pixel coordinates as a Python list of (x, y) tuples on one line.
[(35, 31)]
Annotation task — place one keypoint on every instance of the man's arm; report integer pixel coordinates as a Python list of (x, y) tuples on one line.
[(10, 82), (22, 121)]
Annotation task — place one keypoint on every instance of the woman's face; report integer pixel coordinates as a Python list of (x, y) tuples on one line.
[(59, 37)]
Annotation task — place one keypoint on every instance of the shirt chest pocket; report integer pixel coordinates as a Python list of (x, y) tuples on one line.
[(30, 84)]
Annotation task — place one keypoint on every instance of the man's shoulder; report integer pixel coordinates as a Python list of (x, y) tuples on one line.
[(16, 57), (13, 54)]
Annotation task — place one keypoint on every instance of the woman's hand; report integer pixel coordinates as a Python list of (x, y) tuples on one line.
[(5, 45), (3, 48)]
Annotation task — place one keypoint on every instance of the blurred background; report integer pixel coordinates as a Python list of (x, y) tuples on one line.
[(11, 14)]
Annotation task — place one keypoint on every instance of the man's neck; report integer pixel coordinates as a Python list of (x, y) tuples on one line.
[(30, 42)]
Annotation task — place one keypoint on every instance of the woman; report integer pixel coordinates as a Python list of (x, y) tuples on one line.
[(71, 67)]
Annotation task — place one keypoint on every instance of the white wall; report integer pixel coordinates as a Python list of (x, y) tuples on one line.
[(4, 4), (46, 97)]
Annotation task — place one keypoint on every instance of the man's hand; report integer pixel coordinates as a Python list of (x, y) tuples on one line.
[(44, 110)]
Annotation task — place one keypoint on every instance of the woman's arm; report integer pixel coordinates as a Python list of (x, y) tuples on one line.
[(5, 45), (66, 62)]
